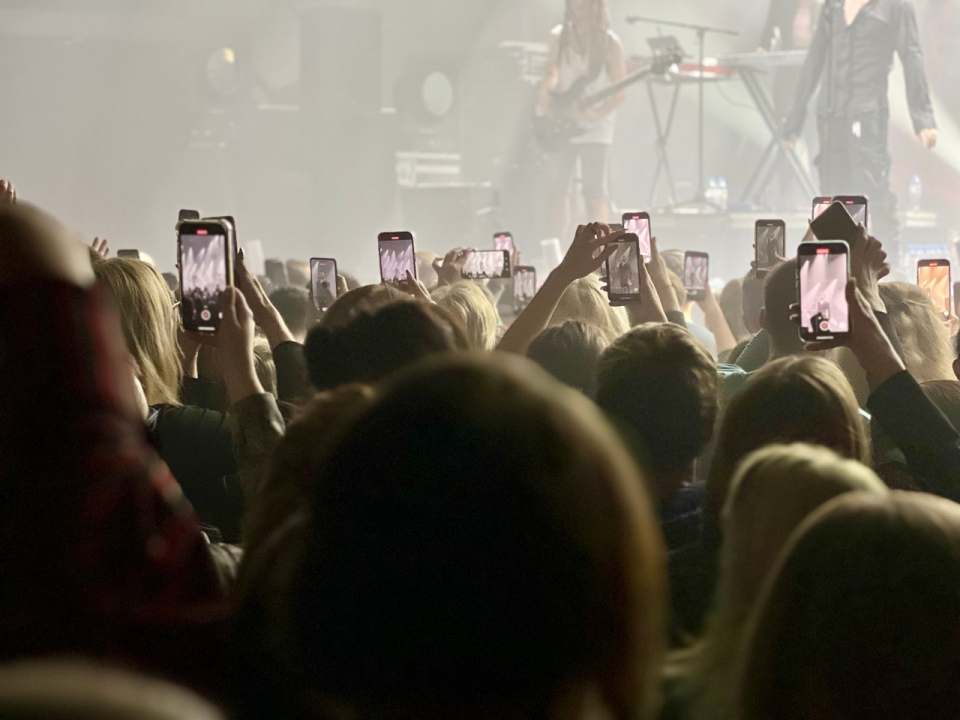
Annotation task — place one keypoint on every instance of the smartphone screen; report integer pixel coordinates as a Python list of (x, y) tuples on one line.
[(933, 276), (503, 241), (396, 256), (486, 265), (696, 275), (323, 282), (524, 285), (639, 225), (205, 271), (823, 269), (623, 269), (770, 240), (856, 205), (819, 205)]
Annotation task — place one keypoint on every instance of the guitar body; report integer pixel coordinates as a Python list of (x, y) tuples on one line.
[(555, 133)]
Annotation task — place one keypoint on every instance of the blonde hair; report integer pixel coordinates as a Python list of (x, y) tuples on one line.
[(468, 302), (773, 491), (149, 325), (584, 300), (923, 335)]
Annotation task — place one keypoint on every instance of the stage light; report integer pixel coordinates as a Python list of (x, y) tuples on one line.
[(223, 73), (436, 94)]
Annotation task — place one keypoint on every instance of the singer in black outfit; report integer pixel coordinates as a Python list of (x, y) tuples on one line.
[(850, 60)]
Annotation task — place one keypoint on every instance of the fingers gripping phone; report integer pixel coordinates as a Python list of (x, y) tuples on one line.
[(323, 282), (623, 269), (524, 285), (823, 269), (933, 276), (696, 275), (205, 254), (486, 265), (638, 223), (770, 244), (396, 256), (856, 205), (504, 241)]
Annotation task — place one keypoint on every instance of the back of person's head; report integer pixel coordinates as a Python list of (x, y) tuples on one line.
[(679, 289), (924, 336), (149, 323), (802, 398), (861, 617), (480, 547), (294, 306), (470, 303), (779, 293), (774, 490), (659, 386), (570, 353), (731, 303), (374, 345), (674, 260), (81, 690), (364, 299), (584, 300)]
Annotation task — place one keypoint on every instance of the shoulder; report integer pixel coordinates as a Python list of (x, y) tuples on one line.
[(615, 43)]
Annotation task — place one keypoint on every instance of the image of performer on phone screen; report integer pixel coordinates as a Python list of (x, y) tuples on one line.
[(624, 261), (585, 56), (850, 60)]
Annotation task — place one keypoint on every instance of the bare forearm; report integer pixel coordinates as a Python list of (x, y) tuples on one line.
[(536, 317)]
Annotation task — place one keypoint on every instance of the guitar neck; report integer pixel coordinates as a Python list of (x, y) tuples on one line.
[(608, 92)]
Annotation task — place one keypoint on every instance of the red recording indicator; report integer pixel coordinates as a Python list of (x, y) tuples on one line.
[(823, 251), (201, 231), (934, 264)]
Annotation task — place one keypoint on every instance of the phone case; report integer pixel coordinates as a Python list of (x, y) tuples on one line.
[(835, 224)]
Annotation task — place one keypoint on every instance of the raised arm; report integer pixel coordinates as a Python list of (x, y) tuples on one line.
[(918, 94)]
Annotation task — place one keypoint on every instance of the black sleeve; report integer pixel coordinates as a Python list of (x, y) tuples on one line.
[(293, 381), (929, 442), (198, 393), (911, 56), (677, 318), (756, 353), (809, 78)]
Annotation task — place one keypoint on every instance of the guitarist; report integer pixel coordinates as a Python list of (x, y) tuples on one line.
[(585, 54)]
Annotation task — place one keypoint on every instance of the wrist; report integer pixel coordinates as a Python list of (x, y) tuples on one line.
[(241, 383), (273, 326)]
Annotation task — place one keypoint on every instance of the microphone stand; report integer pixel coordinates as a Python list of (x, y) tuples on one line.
[(701, 30)]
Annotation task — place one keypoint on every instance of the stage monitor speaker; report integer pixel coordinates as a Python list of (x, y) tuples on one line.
[(340, 55)]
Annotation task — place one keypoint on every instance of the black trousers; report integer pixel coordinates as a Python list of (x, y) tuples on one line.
[(855, 160)]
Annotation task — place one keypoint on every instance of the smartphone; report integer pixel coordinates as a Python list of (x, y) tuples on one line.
[(504, 241), (396, 256), (835, 223), (623, 269), (276, 272), (186, 215), (486, 265), (696, 275), (131, 254), (933, 276), (823, 269), (323, 282), (819, 205), (856, 205), (638, 223), (205, 257), (770, 244), (524, 285)]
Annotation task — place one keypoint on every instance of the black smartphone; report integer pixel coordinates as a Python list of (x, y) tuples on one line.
[(823, 269), (856, 205), (486, 265), (696, 275), (397, 256), (638, 223), (276, 271), (130, 254), (187, 215), (504, 241), (205, 256), (835, 223), (524, 285), (770, 244), (933, 276), (323, 282), (819, 205), (623, 269)]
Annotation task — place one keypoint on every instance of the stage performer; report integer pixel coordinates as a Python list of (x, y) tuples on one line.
[(583, 51), (850, 59)]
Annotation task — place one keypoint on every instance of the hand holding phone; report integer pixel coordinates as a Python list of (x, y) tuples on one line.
[(624, 270), (823, 270)]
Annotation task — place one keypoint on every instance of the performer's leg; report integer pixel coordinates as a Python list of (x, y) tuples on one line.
[(593, 170), (836, 158), (560, 167), (873, 168)]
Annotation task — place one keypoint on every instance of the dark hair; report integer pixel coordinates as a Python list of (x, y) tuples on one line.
[(364, 299), (373, 345), (479, 539), (779, 293), (861, 617), (570, 353), (294, 306), (660, 387)]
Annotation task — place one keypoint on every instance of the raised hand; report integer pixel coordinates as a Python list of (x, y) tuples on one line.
[(413, 287), (101, 247), (8, 195), (590, 249), (450, 269), (234, 342)]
